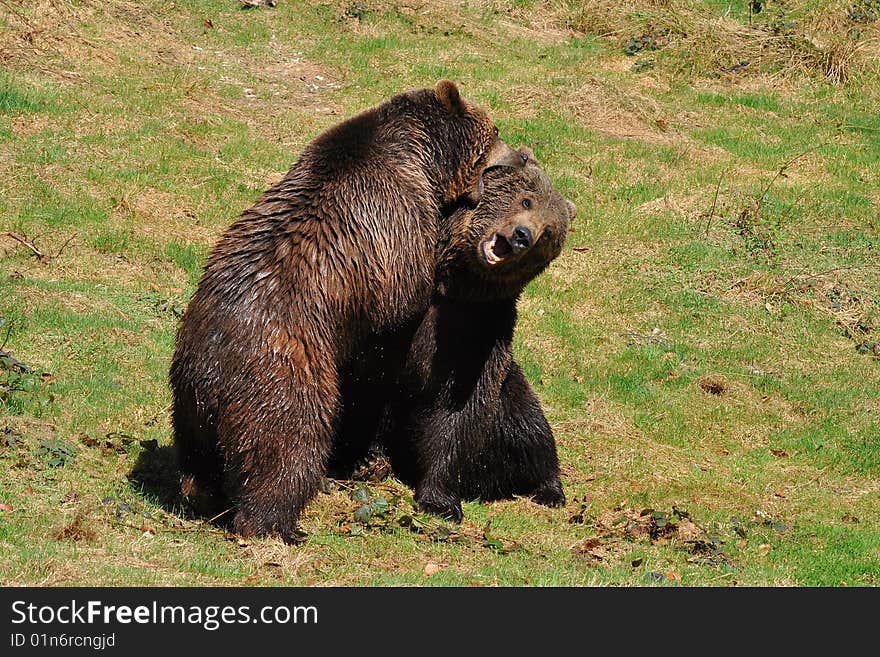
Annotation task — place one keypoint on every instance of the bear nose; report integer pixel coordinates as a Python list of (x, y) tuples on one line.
[(522, 238)]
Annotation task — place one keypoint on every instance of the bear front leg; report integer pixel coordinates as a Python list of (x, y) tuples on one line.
[(439, 457), (519, 456), (452, 433)]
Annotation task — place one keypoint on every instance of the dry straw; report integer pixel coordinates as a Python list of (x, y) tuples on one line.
[(800, 37)]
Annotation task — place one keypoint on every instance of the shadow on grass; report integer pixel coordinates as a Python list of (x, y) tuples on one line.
[(155, 475)]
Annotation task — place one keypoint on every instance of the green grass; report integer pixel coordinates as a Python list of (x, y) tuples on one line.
[(704, 346)]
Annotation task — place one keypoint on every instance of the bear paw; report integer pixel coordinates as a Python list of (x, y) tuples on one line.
[(247, 525), (446, 506), (550, 495)]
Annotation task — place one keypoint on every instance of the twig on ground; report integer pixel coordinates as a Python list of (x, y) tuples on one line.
[(21, 239), (801, 278), (714, 201), (64, 246)]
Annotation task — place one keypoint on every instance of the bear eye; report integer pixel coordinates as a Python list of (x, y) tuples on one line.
[(527, 203), (496, 130)]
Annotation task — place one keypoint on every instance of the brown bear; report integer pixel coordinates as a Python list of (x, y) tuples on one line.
[(308, 297), (464, 422)]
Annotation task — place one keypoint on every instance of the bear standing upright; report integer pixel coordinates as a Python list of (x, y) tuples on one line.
[(465, 423), (331, 268)]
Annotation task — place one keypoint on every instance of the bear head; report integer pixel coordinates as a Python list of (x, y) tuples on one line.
[(493, 250), (463, 140)]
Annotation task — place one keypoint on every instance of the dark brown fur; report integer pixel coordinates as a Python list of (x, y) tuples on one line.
[(465, 423), (322, 272)]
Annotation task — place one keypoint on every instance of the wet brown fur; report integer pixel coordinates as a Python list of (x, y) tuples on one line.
[(327, 264)]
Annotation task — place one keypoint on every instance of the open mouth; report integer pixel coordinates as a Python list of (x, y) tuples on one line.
[(496, 249)]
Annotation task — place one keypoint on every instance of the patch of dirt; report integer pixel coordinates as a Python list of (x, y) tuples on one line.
[(688, 207), (714, 385), (611, 111), (79, 528), (274, 559), (55, 37), (268, 91), (162, 216)]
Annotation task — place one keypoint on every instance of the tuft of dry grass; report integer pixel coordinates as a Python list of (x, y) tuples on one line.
[(801, 38)]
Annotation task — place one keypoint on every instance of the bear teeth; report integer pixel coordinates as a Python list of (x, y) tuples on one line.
[(488, 251)]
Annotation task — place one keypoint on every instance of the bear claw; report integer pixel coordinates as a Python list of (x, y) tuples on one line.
[(550, 495), (449, 509)]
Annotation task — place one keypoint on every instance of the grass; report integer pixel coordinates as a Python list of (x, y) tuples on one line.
[(706, 348)]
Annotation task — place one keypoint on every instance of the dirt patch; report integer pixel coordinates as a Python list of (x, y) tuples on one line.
[(268, 95), (614, 112), (687, 207), (55, 37), (303, 83), (161, 216), (714, 385), (79, 528)]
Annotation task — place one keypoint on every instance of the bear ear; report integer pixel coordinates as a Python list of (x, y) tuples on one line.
[(527, 154), (572, 209), (447, 94)]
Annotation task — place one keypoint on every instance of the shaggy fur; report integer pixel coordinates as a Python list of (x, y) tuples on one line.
[(465, 423), (311, 297)]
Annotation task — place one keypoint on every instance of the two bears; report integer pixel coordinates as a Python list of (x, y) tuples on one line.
[(307, 321)]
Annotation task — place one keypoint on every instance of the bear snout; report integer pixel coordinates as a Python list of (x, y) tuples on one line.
[(522, 238)]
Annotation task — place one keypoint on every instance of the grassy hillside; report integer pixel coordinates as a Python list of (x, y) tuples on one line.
[(707, 347)]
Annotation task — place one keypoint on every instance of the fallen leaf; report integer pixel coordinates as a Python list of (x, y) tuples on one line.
[(780, 493), (673, 576), (779, 452), (849, 518), (723, 451), (363, 513), (591, 547), (148, 529), (7, 508), (688, 531), (431, 569), (361, 494), (763, 549)]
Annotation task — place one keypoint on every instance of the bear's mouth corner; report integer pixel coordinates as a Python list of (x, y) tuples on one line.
[(496, 248)]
